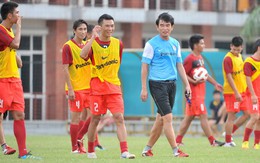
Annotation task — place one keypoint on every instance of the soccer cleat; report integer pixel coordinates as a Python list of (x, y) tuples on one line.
[(180, 154), (99, 147), (127, 155), (8, 150), (148, 153), (81, 146), (245, 145), (92, 155), (231, 144), (217, 143), (29, 156), (256, 146)]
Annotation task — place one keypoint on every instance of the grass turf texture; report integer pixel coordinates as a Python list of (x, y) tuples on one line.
[(57, 149)]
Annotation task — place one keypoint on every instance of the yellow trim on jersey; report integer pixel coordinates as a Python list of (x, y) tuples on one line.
[(107, 61), (80, 69), (8, 64), (237, 75), (256, 64)]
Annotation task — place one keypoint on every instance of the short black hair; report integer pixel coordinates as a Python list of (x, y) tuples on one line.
[(237, 41), (256, 45), (216, 92), (78, 22), (165, 17), (195, 39), (90, 28), (104, 17), (8, 7)]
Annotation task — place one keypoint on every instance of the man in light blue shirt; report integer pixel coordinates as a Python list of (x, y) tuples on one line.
[(162, 59)]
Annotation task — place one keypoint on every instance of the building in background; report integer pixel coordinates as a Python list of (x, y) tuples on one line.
[(47, 25)]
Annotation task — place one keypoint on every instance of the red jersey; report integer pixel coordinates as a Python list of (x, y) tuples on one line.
[(191, 62)]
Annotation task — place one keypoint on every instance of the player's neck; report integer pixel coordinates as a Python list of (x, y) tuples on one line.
[(77, 40), (7, 24), (196, 53), (104, 38), (256, 56)]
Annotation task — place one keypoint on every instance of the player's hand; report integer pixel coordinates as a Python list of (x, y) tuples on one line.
[(19, 21), (144, 95), (95, 31), (188, 94), (71, 95), (254, 99), (238, 97), (219, 87)]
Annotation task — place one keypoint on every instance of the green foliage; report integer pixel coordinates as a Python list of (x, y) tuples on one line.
[(251, 27), (56, 149)]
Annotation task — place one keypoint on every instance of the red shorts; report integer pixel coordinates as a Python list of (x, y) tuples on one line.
[(81, 101), (11, 95), (254, 108), (234, 106), (100, 103), (196, 108)]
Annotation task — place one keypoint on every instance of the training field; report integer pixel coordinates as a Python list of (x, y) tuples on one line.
[(57, 149)]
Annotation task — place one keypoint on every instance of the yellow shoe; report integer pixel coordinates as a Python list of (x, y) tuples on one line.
[(256, 146), (245, 145)]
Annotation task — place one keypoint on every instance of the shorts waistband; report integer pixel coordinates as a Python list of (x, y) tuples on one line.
[(164, 81)]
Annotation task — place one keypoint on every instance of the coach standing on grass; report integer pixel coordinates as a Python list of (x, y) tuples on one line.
[(162, 59), (105, 53)]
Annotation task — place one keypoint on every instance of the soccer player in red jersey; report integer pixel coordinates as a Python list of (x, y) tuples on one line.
[(11, 94), (105, 53), (252, 72), (197, 106), (234, 89)]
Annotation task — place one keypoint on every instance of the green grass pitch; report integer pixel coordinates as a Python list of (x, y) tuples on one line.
[(57, 149)]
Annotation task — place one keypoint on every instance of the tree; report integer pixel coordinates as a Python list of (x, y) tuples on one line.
[(251, 27)]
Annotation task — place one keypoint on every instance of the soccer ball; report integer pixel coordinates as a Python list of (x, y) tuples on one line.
[(200, 73)]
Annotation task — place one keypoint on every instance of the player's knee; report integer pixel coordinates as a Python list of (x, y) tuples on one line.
[(118, 118)]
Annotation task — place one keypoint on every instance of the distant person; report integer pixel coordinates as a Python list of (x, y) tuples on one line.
[(234, 92), (252, 72), (192, 63), (218, 109), (161, 62)]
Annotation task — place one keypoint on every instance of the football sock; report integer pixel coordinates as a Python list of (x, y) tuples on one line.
[(84, 129), (228, 138), (123, 146), (211, 139), (147, 148), (234, 128), (247, 134), (179, 139), (91, 147), (20, 135), (73, 136), (257, 136)]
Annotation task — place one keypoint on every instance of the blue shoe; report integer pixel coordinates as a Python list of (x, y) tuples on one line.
[(29, 156)]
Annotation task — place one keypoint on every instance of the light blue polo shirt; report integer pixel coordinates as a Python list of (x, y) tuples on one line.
[(162, 57)]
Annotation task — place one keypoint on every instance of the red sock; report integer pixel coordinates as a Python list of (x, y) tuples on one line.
[(91, 147), (96, 140), (20, 135), (211, 139), (81, 123), (179, 139), (123, 146), (257, 136), (84, 129), (228, 138), (73, 136), (247, 134), (234, 128)]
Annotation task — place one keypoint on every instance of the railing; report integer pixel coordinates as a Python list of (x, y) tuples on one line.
[(190, 5)]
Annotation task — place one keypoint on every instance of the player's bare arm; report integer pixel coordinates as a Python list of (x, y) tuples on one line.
[(144, 72), (19, 61), (215, 83), (71, 94), (85, 50), (233, 86), (251, 89)]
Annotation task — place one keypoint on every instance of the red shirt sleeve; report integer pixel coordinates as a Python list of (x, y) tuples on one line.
[(121, 50), (5, 39), (66, 55), (249, 69), (187, 65), (228, 65)]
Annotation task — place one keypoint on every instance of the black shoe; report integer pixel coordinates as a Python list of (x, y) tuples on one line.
[(217, 143)]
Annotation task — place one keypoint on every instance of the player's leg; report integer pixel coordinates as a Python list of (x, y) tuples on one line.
[(74, 128), (257, 135), (229, 127), (184, 126), (240, 121), (5, 148)]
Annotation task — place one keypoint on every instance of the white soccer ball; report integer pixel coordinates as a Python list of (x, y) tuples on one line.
[(200, 73)]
